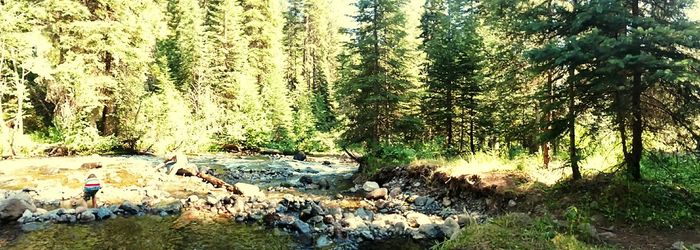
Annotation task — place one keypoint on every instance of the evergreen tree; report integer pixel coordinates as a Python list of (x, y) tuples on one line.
[(378, 85), (452, 47)]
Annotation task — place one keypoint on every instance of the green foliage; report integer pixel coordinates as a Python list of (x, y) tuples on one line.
[(517, 231), (620, 199)]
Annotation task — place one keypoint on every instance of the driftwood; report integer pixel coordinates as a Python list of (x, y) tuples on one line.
[(206, 177)]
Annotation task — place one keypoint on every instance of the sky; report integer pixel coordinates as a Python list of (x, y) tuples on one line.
[(694, 14)]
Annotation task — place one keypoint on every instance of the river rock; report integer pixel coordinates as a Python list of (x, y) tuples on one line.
[(33, 226), (193, 198), (364, 214), (417, 219), (323, 241), (211, 200), (376, 194), (326, 163), (87, 216), (301, 227), (395, 192), (104, 213), (446, 202), (324, 184), (248, 190), (12, 208), (80, 209), (449, 227), (26, 217), (300, 156), (431, 231), (370, 186), (306, 180), (421, 201), (129, 208)]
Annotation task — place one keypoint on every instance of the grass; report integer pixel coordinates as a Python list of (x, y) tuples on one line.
[(518, 231)]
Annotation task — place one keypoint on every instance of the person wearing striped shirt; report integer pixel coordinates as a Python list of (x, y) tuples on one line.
[(92, 185)]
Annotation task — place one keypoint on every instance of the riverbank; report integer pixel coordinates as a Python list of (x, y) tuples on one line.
[(316, 201)]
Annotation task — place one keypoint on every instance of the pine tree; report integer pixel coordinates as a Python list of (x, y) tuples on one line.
[(377, 88), (452, 46)]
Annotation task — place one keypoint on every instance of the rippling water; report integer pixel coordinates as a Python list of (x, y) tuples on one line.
[(154, 233)]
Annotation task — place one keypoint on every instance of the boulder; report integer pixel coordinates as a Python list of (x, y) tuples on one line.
[(306, 180), (449, 228), (103, 213), (248, 190), (379, 193), (326, 163), (370, 186), (431, 231), (417, 219), (129, 208), (12, 208), (27, 216), (91, 165), (301, 227), (300, 156), (87, 216)]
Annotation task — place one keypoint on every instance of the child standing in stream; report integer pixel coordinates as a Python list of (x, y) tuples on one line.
[(92, 185)]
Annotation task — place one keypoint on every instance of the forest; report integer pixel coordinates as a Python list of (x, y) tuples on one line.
[(580, 89), (393, 80)]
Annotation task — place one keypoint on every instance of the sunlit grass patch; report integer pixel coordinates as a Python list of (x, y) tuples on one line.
[(517, 231)]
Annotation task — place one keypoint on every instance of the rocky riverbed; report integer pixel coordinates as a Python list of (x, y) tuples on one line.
[(315, 202)]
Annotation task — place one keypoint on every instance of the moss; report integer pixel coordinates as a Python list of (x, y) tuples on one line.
[(517, 231)]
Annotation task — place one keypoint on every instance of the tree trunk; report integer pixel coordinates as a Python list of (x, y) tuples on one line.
[(450, 114), (549, 116), (637, 126), (576, 174)]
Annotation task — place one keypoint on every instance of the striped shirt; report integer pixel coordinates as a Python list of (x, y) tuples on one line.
[(92, 184)]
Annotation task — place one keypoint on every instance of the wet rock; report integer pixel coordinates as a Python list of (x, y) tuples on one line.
[(33, 226), (12, 208), (421, 201), (323, 241), (248, 190), (379, 193), (300, 156), (103, 213), (281, 208), (326, 163), (80, 209), (431, 231), (129, 208), (324, 184), (26, 217), (364, 214), (306, 180), (87, 216), (316, 219), (301, 227), (163, 214), (366, 234), (449, 227), (395, 192), (370, 186)]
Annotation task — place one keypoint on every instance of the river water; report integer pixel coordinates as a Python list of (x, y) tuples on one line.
[(154, 232)]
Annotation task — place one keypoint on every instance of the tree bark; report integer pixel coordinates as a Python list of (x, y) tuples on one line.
[(637, 126), (550, 116), (576, 174)]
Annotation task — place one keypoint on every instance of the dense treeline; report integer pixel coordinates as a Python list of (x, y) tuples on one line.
[(406, 79)]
